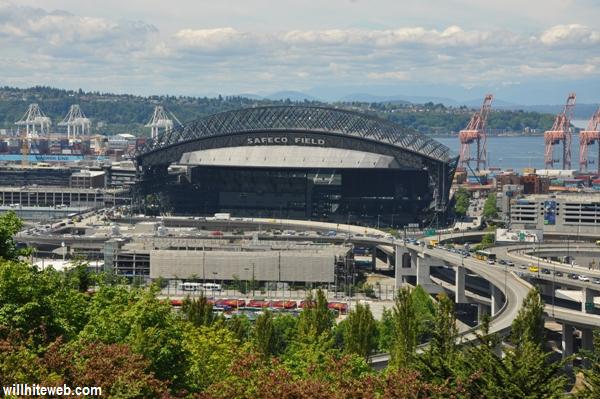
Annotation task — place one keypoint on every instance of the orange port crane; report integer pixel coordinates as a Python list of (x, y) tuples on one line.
[(475, 133), (560, 131), (588, 137)]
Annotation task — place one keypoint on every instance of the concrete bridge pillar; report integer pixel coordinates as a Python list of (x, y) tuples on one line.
[(587, 300), (423, 272), (587, 342), (373, 259), (459, 294), (546, 289), (587, 339), (567, 340), (406, 265), (482, 310), (497, 299)]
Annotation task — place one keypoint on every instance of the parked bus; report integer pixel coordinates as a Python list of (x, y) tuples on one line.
[(212, 286), (485, 255), (190, 286)]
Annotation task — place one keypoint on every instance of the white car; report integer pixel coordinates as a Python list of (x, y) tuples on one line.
[(491, 262), (583, 278)]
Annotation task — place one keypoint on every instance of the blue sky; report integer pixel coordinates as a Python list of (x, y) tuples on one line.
[(530, 52)]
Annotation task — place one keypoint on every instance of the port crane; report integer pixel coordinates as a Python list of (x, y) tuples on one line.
[(588, 137), (160, 119), (475, 133), (560, 132), (32, 119), (76, 122)]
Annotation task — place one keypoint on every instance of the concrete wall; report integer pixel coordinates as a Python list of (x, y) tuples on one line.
[(291, 266)]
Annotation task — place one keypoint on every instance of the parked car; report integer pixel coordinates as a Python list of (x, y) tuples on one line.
[(558, 274), (545, 271), (582, 277)]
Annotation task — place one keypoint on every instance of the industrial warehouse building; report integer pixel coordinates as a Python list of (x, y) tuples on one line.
[(297, 162), (306, 266)]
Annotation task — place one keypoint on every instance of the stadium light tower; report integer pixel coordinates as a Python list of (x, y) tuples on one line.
[(160, 119), (475, 133), (560, 131), (31, 119), (588, 137), (76, 122)]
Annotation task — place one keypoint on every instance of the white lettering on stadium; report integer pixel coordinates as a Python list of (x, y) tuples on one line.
[(284, 140)]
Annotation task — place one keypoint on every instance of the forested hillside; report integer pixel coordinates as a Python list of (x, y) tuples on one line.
[(120, 113)]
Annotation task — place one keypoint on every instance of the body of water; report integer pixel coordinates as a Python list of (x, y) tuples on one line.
[(522, 152)]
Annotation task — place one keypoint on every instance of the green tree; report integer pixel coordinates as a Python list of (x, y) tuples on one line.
[(591, 374), (461, 199), (10, 224), (40, 304), (80, 276), (385, 330), (316, 318), (439, 360), (490, 210), (424, 311), (360, 332), (264, 334), (198, 311), (528, 326), (211, 352), (404, 343), (240, 326), (285, 329), (528, 371), (137, 318)]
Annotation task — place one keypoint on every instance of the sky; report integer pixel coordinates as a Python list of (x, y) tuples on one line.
[(525, 52)]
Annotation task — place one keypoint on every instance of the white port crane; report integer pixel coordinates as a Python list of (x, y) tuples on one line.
[(76, 122), (33, 118), (160, 119)]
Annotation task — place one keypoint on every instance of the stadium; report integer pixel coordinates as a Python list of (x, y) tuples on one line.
[(297, 162)]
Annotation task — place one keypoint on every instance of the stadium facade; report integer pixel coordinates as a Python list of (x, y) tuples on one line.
[(298, 162)]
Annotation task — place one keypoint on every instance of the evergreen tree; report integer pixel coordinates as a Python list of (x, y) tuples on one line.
[(316, 318), (439, 361), (404, 343), (360, 332), (528, 326), (527, 371), (198, 311), (264, 334), (385, 330), (240, 326), (591, 375)]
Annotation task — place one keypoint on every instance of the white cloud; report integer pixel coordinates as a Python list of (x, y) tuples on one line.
[(389, 75), (573, 34), (51, 47)]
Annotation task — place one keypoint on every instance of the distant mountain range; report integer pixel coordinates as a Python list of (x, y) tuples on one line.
[(581, 111)]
